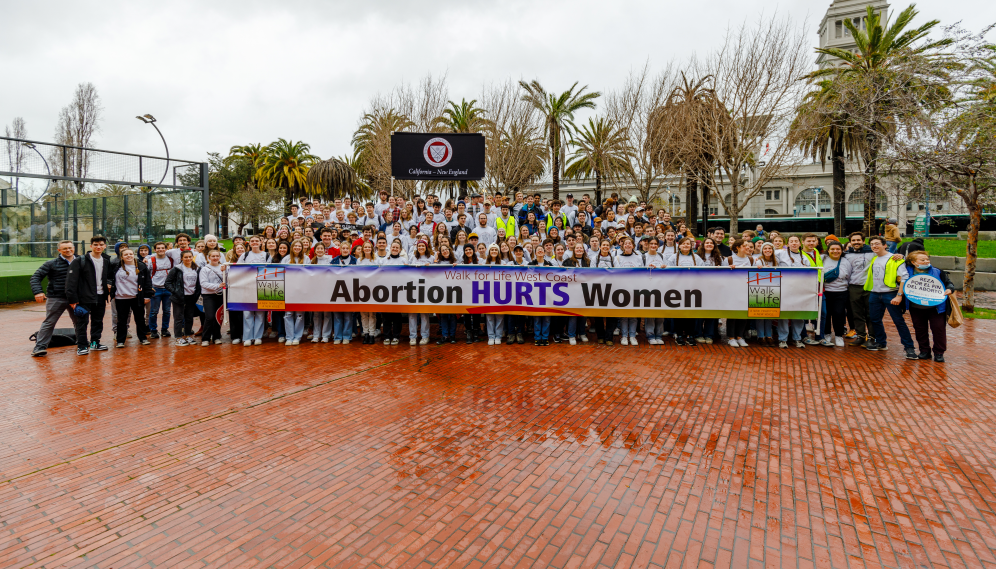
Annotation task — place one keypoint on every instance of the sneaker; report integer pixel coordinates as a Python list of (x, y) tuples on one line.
[(624, 341), (183, 342), (616, 332), (742, 342), (939, 358), (325, 340), (413, 342), (119, 345), (608, 342), (39, 352), (166, 334), (491, 341), (858, 340), (423, 341), (679, 340), (690, 342), (601, 341), (700, 340), (911, 354), (923, 356), (191, 341), (296, 343), (344, 341), (708, 340), (633, 342), (310, 336), (258, 342), (205, 344), (871, 346), (826, 342), (315, 339), (146, 342), (584, 337), (810, 342), (97, 347), (154, 335), (281, 339), (236, 341), (799, 344), (783, 344), (394, 341), (272, 335), (337, 341), (82, 351), (247, 343), (217, 340), (839, 342), (519, 339), (572, 341), (850, 334), (666, 333), (733, 343)]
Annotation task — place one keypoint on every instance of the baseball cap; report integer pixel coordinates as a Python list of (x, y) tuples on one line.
[(473, 235), (570, 195)]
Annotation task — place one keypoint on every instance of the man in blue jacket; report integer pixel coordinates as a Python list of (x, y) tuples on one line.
[(55, 297)]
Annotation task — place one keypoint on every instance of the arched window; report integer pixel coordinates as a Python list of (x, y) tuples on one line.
[(806, 201), (770, 212), (856, 202)]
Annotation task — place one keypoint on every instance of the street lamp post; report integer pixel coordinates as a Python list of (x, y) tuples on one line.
[(149, 119), (47, 169)]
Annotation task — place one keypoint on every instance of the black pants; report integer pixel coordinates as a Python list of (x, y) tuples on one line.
[(684, 326), (95, 318), (859, 308), (125, 307), (924, 318), (392, 325), (736, 327), (212, 329), (185, 309), (837, 303), (604, 327), (472, 323), (235, 324)]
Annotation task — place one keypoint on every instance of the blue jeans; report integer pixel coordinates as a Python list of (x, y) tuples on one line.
[(705, 327), (161, 297), (447, 325), (294, 325), (541, 327), (496, 326), (764, 328), (628, 326), (891, 246), (654, 328), (252, 325), (323, 325), (413, 325), (798, 327), (574, 324), (878, 303), (343, 324)]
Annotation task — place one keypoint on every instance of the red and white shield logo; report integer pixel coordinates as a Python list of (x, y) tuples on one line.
[(437, 152)]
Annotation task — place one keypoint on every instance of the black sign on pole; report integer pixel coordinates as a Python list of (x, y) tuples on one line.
[(437, 156)]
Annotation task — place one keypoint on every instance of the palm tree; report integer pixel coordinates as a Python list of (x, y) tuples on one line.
[(685, 133), (334, 178), (601, 150), (372, 148), (558, 112), (819, 131), (465, 117), (285, 164), (888, 60), (253, 153)]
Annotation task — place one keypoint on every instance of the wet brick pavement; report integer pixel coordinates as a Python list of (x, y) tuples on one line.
[(474, 456)]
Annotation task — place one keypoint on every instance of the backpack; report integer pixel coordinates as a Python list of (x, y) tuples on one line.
[(61, 337), (155, 269), (246, 255)]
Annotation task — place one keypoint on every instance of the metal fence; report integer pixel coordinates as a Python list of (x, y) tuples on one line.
[(59, 192)]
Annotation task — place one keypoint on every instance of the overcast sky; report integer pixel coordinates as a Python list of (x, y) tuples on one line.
[(217, 74)]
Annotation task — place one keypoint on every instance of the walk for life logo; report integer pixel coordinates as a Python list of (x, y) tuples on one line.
[(764, 294), (437, 152), (270, 288)]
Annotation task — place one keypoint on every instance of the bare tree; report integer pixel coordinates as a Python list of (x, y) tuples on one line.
[(515, 153), (15, 151), (631, 108), (253, 205), (756, 76), (78, 122)]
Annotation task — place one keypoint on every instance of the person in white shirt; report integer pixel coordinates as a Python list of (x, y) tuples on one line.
[(655, 328), (485, 232), (159, 264), (254, 320), (684, 328), (570, 209), (382, 205), (392, 320), (212, 281), (131, 288), (836, 275), (368, 320), (322, 326), (887, 275), (629, 258)]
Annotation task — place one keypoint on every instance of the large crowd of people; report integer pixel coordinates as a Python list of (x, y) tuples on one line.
[(862, 277)]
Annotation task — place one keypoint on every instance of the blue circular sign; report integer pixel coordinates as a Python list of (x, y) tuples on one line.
[(925, 290)]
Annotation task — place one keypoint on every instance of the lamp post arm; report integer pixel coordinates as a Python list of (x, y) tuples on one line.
[(166, 169), (47, 169)]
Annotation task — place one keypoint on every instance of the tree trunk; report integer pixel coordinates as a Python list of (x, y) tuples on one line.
[(870, 186), (839, 188), (288, 200), (691, 204), (598, 189), (242, 227), (224, 222), (556, 175), (705, 208), (734, 213), (972, 250)]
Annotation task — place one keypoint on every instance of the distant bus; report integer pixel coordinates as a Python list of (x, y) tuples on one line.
[(946, 224)]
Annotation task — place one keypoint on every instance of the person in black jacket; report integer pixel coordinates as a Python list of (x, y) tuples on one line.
[(55, 299), (130, 286), (929, 320), (86, 287), (183, 284)]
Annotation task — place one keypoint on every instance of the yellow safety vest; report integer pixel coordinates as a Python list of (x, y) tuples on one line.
[(510, 227), (891, 273)]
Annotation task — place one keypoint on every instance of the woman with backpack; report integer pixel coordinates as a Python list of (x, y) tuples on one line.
[(182, 283), (131, 287), (212, 282)]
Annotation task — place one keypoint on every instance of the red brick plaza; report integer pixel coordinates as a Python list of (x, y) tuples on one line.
[(511, 456)]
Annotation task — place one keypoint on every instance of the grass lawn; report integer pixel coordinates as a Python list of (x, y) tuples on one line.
[(981, 314), (19, 266), (956, 248)]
